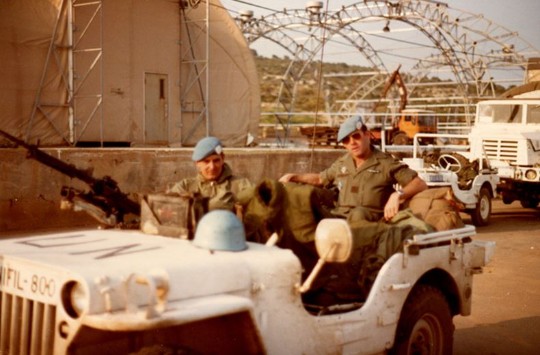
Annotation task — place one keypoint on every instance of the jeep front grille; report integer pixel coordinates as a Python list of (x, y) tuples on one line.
[(500, 149), (26, 326)]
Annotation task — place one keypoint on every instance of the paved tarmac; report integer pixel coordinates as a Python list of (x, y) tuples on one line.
[(506, 297)]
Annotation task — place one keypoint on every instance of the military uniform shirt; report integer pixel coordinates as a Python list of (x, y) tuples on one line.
[(221, 192), (368, 186)]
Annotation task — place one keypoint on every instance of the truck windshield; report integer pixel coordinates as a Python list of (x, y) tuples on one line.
[(499, 113), (533, 114)]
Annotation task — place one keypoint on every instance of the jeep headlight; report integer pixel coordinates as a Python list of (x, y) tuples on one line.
[(530, 174), (74, 298)]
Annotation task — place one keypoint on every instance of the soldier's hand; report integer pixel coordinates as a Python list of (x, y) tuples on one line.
[(392, 206)]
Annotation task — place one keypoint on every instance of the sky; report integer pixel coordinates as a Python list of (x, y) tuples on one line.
[(515, 15), (406, 47)]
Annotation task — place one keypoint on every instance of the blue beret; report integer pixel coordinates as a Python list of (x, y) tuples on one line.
[(350, 125), (206, 147)]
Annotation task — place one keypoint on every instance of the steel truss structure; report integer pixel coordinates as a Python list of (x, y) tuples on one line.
[(79, 32), (78, 36), (426, 38), (197, 31)]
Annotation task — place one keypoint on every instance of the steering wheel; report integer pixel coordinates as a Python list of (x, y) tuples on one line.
[(449, 162)]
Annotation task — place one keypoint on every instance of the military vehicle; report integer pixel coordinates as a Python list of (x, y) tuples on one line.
[(112, 291)]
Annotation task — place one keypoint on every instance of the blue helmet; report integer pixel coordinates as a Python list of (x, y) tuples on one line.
[(220, 230)]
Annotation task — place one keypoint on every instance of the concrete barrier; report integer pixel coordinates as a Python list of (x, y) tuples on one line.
[(30, 191)]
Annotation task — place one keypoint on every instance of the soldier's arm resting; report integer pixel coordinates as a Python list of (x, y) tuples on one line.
[(307, 178), (415, 186)]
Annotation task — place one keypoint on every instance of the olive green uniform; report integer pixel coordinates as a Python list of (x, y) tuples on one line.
[(368, 186), (221, 192), (363, 193)]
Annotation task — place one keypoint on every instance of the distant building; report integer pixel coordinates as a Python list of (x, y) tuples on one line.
[(125, 72)]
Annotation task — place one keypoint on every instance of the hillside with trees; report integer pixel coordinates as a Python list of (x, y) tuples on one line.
[(317, 93)]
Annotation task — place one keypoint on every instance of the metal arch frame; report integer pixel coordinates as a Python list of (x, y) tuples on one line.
[(302, 56), (330, 23), (506, 41), (440, 15), (502, 39), (421, 6), (254, 30), (338, 18), (455, 36), (363, 47), (357, 41), (437, 38), (387, 11), (477, 65), (350, 104), (448, 59)]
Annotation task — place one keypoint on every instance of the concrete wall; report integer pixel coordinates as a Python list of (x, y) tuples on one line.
[(30, 191)]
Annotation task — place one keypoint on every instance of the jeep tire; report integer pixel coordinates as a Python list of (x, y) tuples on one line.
[(481, 214), (425, 325)]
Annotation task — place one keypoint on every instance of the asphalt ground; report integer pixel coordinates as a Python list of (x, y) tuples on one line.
[(505, 315)]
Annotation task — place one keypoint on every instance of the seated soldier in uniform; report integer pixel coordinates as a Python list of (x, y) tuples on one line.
[(365, 178), (215, 179)]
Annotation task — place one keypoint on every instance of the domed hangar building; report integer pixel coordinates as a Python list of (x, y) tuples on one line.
[(125, 73)]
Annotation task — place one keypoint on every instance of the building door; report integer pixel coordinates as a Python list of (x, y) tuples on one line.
[(156, 107)]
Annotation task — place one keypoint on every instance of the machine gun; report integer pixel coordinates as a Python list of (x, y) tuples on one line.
[(105, 202)]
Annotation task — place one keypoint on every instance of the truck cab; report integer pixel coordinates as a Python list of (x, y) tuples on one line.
[(507, 134), (413, 121)]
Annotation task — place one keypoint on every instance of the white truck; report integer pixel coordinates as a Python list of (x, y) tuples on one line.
[(507, 134), (120, 291)]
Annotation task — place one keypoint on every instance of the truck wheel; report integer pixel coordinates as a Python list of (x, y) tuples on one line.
[(532, 203), (506, 198), (425, 325), (481, 214)]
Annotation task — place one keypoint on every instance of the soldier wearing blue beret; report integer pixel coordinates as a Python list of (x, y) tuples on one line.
[(365, 176), (214, 179)]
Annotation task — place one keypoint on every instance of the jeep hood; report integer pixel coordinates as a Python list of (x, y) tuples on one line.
[(115, 267)]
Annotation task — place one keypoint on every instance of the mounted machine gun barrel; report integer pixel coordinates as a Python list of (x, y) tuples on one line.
[(105, 201)]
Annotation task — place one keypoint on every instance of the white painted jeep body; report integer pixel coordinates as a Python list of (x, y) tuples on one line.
[(117, 291)]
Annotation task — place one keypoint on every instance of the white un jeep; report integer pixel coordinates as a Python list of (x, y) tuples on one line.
[(119, 292)]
